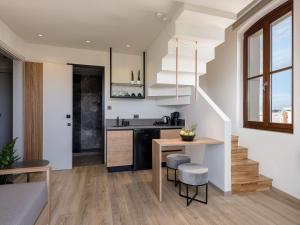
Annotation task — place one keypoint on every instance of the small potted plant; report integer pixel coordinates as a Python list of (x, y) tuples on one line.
[(188, 134), (7, 158)]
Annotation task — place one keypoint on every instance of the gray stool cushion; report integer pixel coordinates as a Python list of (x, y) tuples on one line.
[(174, 160), (193, 174)]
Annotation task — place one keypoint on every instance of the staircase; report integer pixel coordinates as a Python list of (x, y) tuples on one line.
[(245, 175), (190, 24)]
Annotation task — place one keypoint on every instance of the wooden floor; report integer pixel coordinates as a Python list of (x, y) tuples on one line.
[(91, 196)]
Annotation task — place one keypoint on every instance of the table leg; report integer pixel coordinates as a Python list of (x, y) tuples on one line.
[(156, 170), (48, 175)]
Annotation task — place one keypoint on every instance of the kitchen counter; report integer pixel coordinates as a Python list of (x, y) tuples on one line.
[(143, 127), (139, 124), (130, 147)]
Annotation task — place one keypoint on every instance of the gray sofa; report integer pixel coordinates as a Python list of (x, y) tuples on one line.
[(26, 203), (22, 204)]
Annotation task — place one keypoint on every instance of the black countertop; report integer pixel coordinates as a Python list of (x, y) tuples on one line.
[(139, 124), (143, 127)]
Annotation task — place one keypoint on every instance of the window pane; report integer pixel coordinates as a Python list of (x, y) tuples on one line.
[(255, 61), (255, 99), (281, 42), (281, 97)]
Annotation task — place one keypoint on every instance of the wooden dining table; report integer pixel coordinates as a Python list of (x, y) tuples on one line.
[(157, 148)]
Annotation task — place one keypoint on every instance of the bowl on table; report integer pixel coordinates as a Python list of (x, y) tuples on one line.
[(188, 134), (187, 137)]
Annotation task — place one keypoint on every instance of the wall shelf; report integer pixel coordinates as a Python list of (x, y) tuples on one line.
[(127, 85), (122, 89), (128, 97)]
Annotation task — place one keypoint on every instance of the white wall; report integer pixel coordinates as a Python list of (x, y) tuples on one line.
[(123, 65), (277, 153), (123, 108), (221, 76)]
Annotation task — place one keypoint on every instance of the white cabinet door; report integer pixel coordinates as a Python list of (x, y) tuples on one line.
[(57, 104)]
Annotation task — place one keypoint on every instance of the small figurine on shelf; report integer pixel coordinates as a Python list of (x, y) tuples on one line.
[(139, 77), (132, 77)]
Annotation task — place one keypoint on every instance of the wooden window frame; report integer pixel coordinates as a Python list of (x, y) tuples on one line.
[(264, 24)]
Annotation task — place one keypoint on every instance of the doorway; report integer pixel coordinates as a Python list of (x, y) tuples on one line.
[(88, 115), (6, 100)]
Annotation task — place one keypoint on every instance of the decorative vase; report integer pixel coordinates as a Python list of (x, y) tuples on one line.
[(139, 78), (132, 77)]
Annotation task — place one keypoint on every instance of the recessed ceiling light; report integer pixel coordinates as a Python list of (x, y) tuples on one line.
[(88, 41), (165, 18), (40, 35), (128, 46), (159, 14)]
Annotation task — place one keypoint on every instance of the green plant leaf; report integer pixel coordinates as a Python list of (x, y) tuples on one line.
[(7, 154)]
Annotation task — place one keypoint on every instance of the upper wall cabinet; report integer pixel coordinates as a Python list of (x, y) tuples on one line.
[(127, 75)]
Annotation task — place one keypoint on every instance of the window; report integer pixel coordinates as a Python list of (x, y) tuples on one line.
[(268, 71)]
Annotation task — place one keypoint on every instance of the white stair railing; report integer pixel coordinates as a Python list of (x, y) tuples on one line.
[(213, 123)]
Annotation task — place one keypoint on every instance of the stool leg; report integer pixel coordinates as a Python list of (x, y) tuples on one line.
[(193, 198), (167, 173), (175, 180), (187, 195), (179, 188), (206, 193)]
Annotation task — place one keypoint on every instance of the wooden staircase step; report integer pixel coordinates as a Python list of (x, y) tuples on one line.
[(244, 171), (246, 162), (239, 153), (234, 137), (262, 183), (234, 141)]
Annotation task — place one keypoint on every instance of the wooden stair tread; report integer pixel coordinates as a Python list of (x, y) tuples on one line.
[(239, 148), (245, 162), (260, 179), (264, 178)]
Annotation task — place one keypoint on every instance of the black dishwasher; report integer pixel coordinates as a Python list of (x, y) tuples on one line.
[(142, 157)]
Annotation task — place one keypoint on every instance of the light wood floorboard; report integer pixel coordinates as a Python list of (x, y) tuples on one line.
[(88, 195)]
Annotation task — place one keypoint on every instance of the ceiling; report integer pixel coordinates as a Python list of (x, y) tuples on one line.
[(106, 23)]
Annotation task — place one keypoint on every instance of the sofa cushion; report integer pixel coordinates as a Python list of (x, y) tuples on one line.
[(21, 204)]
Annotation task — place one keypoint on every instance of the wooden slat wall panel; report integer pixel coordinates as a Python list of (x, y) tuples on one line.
[(33, 92)]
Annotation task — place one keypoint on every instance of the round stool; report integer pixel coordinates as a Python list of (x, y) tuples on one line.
[(173, 161), (193, 174)]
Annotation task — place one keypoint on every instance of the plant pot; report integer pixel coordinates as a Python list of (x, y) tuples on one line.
[(187, 138)]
